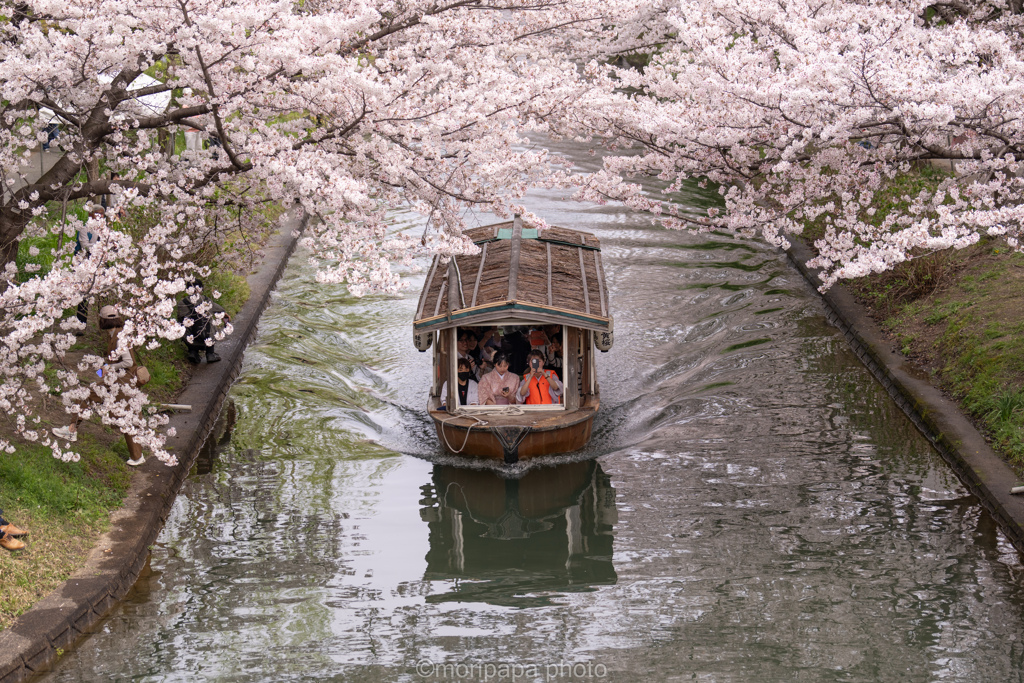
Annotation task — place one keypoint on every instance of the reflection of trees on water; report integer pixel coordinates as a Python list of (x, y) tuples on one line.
[(508, 541)]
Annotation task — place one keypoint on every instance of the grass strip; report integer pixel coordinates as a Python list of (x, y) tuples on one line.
[(64, 506)]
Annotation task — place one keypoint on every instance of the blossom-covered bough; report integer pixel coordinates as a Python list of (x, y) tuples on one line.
[(803, 110), (344, 107)]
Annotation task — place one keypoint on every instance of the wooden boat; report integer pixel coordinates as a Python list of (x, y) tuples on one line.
[(523, 278)]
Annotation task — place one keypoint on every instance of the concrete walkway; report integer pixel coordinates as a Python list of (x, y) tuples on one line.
[(56, 622)]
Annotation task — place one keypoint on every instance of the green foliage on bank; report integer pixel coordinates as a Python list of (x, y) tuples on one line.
[(959, 314), (982, 342), (33, 479), (38, 264), (233, 289)]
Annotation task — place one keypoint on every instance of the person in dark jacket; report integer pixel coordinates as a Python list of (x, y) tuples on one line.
[(517, 346), (198, 321)]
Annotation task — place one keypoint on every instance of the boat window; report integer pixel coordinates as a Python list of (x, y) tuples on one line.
[(515, 342)]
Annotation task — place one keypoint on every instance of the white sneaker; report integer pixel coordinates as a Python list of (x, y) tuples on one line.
[(136, 463), (65, 433)]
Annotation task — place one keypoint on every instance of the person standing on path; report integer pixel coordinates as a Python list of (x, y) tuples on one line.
[(196, 312), (85, 239)]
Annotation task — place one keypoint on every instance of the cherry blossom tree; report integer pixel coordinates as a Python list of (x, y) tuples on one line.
[(803, 110), (344, 107)]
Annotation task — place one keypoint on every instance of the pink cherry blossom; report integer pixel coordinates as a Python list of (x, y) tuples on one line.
[(803, 110)]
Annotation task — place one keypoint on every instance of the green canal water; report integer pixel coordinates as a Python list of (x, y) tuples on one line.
[(752, 507)]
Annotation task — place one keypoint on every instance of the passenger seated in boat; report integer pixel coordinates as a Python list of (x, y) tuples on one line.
[(498, 387), (462, 346), (473, 344), (539, 386), (467, 387), (490, 343), (554, 360)]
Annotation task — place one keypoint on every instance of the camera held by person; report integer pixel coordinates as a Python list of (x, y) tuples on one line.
[(539, 386)]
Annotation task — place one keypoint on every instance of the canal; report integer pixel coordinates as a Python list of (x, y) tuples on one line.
[(752, 506)]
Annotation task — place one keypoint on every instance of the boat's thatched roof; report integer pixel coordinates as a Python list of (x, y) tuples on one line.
[(552, 275)]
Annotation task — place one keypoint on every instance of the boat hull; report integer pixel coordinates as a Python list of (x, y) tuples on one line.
[(512, 438)]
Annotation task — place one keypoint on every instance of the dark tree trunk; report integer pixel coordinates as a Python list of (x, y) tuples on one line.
[(92, 170), (11, 226)]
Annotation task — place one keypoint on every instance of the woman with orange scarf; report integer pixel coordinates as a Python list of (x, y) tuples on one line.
[(539, 386)]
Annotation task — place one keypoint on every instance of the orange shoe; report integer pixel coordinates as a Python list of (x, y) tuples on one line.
[(10, 542), (13, 530)]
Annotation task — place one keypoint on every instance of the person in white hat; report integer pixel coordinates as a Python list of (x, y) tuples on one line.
[(135, 373)]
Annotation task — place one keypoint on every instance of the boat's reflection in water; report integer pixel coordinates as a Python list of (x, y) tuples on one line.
[(519, 542)]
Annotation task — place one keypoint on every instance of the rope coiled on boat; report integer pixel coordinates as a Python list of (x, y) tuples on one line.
[(486, 410)]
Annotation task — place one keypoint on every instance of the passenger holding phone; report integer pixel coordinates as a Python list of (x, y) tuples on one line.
[(498, 387), (539, 386)]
